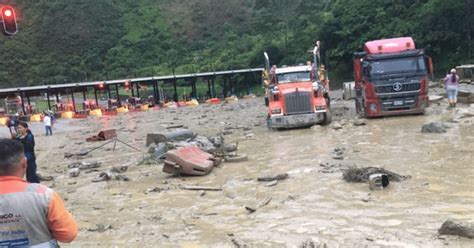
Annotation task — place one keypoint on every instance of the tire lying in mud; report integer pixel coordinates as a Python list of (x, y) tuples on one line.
[(361, 175), (237, 159)]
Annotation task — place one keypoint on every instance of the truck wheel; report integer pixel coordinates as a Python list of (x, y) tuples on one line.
[(328, 99), (327, 119)]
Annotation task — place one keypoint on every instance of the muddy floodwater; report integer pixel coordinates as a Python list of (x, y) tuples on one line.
[(314, 202)]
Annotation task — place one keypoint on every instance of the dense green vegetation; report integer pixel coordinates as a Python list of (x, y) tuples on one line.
[(63, 41)]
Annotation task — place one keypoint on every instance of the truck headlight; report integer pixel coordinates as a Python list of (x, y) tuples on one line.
[(319, 107), (315, 86), (276, 111), (373, 107)]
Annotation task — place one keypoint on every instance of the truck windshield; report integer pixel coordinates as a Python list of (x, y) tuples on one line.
[(397, 66), (293, 77)]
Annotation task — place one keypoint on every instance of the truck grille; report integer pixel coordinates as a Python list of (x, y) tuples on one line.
[(383, 89), (298, 103)]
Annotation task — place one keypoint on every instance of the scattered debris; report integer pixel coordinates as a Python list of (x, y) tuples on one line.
[(252, 209), (176, 135), (359, 122), (74, 172), (189, 161), (278, 177), (106, 176), (42, 177), (119, 169), (272, 183), (100, 228), (236, 158), (103, 135), (82, 165), (198, 188), (336, 126), (451, 227), (312, 244), (361, 175)]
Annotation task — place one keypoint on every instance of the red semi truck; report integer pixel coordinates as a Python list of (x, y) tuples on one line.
[(391, 78), (296, 96)]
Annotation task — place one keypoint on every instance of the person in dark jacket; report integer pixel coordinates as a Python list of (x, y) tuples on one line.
[(25, 136)]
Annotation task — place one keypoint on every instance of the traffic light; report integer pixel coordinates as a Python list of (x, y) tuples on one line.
[(9, 21)]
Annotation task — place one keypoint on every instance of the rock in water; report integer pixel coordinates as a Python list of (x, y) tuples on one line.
[(434, 127), (336, 126), (450, 227)]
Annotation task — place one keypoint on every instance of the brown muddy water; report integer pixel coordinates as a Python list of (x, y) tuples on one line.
[(313, 203)]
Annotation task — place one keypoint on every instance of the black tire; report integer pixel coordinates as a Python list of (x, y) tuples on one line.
[(327, 119), (328, 100)]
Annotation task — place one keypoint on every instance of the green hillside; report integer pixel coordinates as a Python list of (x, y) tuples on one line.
[(82, 40)]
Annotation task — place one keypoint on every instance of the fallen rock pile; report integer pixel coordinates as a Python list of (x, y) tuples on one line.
[(450, 227)]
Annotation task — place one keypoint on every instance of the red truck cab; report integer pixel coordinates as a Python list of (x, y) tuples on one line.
[(391, 78)]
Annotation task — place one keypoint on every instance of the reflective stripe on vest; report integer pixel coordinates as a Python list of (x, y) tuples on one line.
[(23, 218)]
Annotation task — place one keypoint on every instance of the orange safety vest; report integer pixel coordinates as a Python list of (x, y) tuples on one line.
[(32, 215)]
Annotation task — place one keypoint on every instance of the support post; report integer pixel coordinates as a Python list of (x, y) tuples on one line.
[(109, 93), (158, 98), (96, 98), (209, 94), (224, 89), (138, 90), (213, 82), (117, 95), (133, 90), (73, 100), (154, 92), (175, 95), (47, 96), (22, 102)]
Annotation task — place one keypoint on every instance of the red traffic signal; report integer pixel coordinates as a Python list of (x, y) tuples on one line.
[(9, 25)]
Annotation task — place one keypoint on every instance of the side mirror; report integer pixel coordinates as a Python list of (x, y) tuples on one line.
[(357, 70)]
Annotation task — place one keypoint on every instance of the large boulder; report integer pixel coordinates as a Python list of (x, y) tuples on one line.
[(434, 127)]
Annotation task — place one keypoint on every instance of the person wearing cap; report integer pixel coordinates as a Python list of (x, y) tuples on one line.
[(451, 84), (31, 214), (48, 123)]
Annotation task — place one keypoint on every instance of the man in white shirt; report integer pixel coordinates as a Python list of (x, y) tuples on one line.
[(47, 124)]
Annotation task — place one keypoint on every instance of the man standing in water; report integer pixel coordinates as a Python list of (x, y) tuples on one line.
[(31, 215)]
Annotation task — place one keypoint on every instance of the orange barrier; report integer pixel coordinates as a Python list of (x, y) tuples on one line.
[(193, 102), (181, 104), (95, 112), (4, 120), (36, 118), (144, 107), (213, 101), (67, 115), (123, 109)]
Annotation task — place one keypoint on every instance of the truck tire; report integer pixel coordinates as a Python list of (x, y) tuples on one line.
[(328, 99), (327, 119)]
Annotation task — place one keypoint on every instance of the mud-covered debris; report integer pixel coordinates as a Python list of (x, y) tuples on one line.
[(119, 169), (74, 172), (434, 127), (272, 183), (269, 178), (77, 154), (84, 165), (237, 242), (361, 175), (106, 176), (236, 158), (100, 228), (312, 244), (42, 177), (451, 227), (199, 188), (359, 122), (336, 126), (231, 147)]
